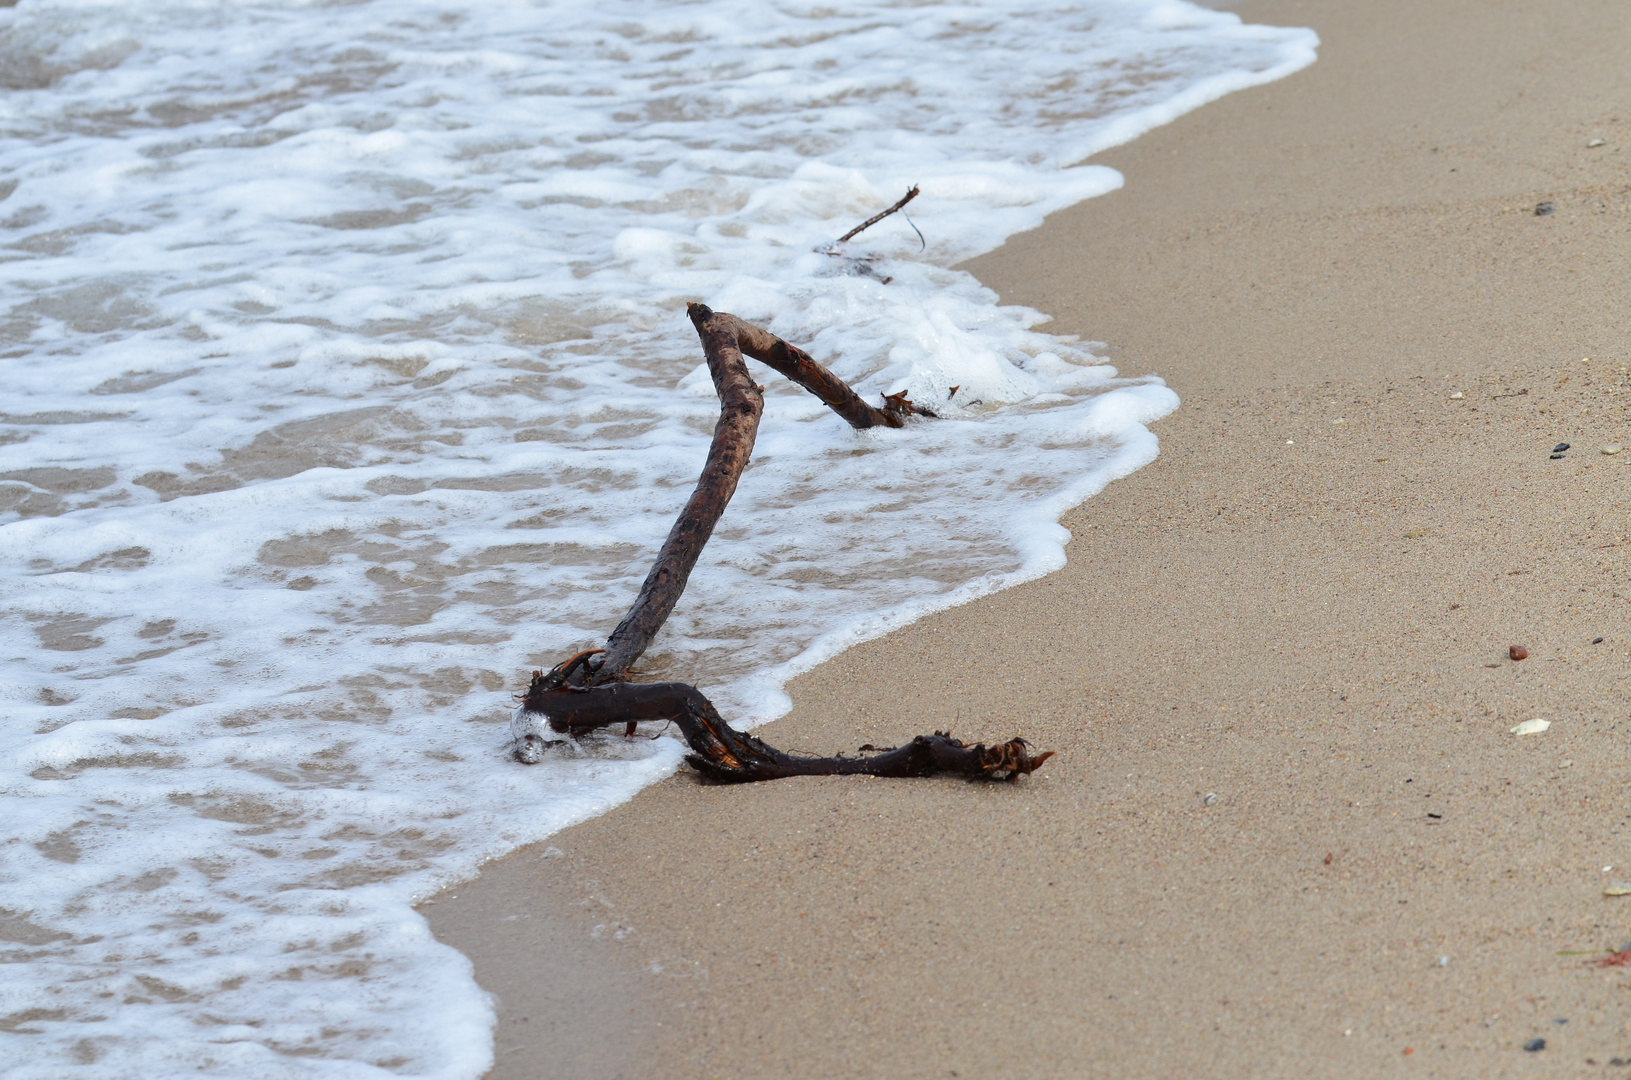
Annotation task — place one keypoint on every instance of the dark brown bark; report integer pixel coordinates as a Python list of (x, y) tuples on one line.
[(725, 339), (728, 756), (800, 367), (741, 403), (590, 691)]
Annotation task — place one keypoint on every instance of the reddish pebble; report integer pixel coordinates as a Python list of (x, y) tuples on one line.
[(1518, 652), (1410, 1049)]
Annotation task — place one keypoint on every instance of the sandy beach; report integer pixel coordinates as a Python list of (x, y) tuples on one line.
[(1287, 831)]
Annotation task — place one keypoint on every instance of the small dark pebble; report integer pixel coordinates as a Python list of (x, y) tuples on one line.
[(1517, 652), (1557, 457), (1436, 817), (1560, 447), (1535, 1044), (1543, 208), (1596, 641), (1619, 1061), (1560, 1021)]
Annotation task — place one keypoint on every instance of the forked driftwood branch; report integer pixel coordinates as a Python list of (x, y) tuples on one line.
[(591, 690)]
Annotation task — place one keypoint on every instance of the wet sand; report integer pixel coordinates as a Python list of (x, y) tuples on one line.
[(1287, 832)]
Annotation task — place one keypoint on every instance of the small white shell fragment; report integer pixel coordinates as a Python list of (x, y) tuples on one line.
[(1532, 727), (1595, 143), (1612, 448), (1457, 396), (1339, 420), (1290, 443), (1210, 798), (1618, 888)]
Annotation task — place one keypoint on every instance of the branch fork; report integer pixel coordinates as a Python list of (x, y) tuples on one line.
[(592, 690)]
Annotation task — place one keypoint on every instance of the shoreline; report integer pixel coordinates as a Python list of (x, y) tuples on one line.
[(1300, 628)]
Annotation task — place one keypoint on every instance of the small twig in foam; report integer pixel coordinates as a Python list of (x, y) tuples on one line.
[(875, 218)]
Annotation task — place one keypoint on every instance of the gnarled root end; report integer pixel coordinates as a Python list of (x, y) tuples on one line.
[(897, 407), (748, 759), (727, 756), (1010, 760)]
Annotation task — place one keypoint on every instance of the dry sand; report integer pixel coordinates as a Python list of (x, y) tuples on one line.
[(1303, 607)]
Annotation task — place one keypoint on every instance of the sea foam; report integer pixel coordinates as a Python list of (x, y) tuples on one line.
[(346, 377)]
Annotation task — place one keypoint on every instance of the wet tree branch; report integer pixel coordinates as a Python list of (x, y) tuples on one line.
[(591, 690)]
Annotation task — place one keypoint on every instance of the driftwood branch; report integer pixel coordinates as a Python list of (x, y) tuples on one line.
[(726, 755), (591, 690), (799, 367), (725, 340), (875, 218), (741, 403)]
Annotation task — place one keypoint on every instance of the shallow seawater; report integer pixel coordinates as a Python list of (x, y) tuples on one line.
[(346, 378)]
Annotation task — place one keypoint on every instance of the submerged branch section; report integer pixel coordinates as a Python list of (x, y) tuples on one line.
[(591, 690)]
